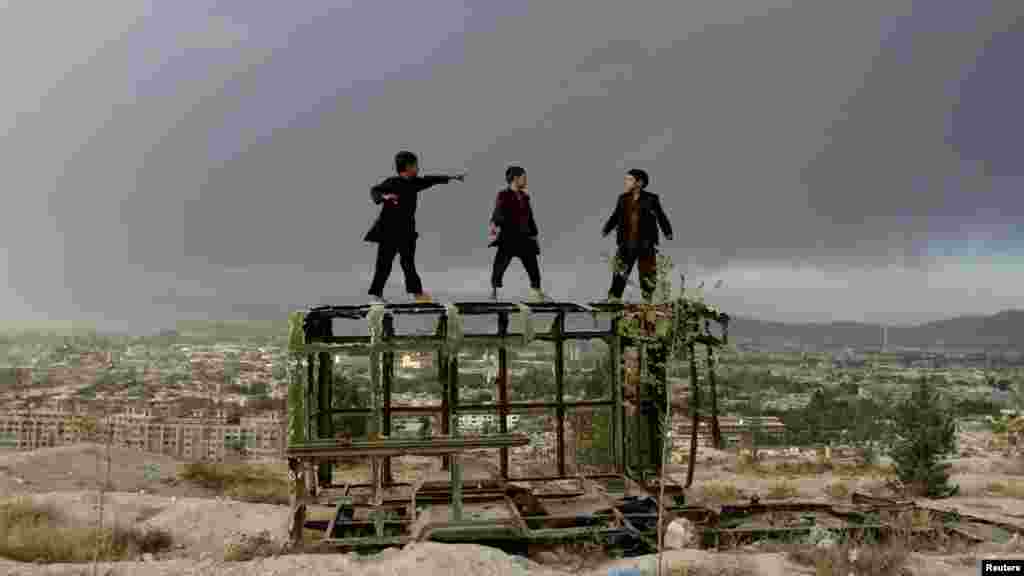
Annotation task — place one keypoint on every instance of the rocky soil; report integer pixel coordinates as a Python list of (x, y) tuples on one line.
[(202, 525)]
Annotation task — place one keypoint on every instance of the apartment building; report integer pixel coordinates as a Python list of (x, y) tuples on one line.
[(197, 436)]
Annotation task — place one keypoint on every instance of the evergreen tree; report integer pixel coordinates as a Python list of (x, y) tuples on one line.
[(925, 432)]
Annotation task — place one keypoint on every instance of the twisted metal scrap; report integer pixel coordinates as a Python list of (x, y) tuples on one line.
[(527, 323)]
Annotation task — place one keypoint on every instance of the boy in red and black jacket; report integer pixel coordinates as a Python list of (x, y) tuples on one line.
[(514, 232)]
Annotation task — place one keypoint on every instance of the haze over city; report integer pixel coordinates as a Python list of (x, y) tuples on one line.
[(826, 160)]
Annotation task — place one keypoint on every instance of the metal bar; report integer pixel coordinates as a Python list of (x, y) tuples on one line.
[(456, 461), (403, 340), (526, 406), (442, 376), (386, 541), (373, 426), (557, 328), (374, 423), (553, 478), (325, 366), (503, 404), (398, 446), (430, 342), (618, 430), (395, 410), (645, 396), (310, 389), (465, 308), (388, 372), (695, 413)]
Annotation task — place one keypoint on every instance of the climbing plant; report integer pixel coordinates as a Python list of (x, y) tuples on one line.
[(670, 329)]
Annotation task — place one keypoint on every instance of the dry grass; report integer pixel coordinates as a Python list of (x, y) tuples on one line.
[(802, 468), (719, 492), (838, 490), (31, 532), (781, 490), (842, 560), (251, 547), (1008, 489), (744, 568), (245, 482)]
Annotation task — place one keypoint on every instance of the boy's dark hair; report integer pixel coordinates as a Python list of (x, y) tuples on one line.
[(641, 177), (513, 172), (404, 159)]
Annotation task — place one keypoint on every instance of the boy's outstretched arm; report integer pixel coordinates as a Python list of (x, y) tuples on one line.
[(429, 181)]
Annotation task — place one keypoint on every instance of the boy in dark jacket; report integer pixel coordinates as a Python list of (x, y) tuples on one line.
[(514, 232), (637, 217), (394, 231)]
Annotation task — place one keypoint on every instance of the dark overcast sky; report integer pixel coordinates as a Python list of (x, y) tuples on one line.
[(828, 159)]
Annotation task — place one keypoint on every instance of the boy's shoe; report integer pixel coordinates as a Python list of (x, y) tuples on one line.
[(494, 294), (537, 296), (377, 300), (424, 298), (614, 299)]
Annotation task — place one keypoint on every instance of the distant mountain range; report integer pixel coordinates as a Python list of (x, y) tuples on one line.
[(1002, 330)]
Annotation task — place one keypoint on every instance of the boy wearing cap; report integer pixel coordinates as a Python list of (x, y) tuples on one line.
[(637, 217)]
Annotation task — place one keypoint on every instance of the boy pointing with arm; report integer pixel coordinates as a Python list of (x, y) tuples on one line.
[(394, 231)]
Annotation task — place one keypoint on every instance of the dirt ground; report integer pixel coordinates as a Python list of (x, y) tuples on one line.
[(83, 467), (201, 523)]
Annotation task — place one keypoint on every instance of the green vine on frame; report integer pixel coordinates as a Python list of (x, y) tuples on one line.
[(296, 402), (526, 322), (375, 320), (455, 327), (296, 335)]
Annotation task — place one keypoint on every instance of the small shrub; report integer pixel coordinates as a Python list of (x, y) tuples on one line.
[(747, 466), (802, 468), (781, 490), (31, 532), (250, 547), (719, 492), (744, 567), (862, 470), (838, 490), (245, 482), (1009, 489), (845, 559)]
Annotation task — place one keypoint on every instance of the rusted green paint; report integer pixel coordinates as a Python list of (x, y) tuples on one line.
[(296, 402)]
